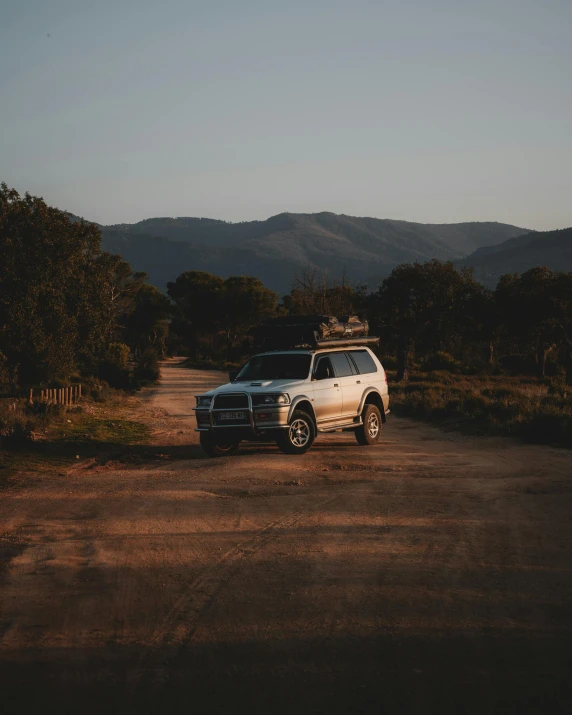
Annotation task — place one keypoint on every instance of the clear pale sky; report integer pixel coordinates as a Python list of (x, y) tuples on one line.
[(423, 110)]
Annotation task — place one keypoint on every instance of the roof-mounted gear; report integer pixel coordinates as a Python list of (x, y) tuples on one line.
[(314, 331)]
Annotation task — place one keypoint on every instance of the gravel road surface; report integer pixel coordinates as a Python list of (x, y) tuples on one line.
[(431, 573)]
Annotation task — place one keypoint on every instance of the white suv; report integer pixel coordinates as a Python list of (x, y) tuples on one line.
[(289, 396)]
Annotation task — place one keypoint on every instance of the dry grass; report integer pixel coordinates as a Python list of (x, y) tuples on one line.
[(54, 439), (524, 407)]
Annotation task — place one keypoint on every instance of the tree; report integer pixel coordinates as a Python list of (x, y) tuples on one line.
[(46, 263), (427, 307), (197, 298), (147, 325), (310, 296), (535, 312), (62, 300), (246, 303), (215, 313)]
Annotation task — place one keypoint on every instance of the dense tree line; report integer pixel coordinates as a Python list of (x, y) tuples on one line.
[(424, 311), (429, 314), (66, 307)]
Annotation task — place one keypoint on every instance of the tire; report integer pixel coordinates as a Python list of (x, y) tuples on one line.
[(299, 436), (214, 448), (370, 431)]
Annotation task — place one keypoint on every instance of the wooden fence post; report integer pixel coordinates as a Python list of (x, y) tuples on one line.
[(79, 391)]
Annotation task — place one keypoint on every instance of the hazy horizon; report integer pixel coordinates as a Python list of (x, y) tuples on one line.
[(440, 111)]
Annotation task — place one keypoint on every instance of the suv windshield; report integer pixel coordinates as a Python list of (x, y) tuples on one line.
[(283, 366)]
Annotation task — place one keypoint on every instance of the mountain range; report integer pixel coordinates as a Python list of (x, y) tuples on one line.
[(274, 250), (518, 254)]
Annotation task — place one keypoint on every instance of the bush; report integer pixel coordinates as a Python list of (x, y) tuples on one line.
[(389, 362), (441, 361), (147, 369), (514, 407), (47, 410), (17, 426), (6, 378), (114, 367), (558, 386)]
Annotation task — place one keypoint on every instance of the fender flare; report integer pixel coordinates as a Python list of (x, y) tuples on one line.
[(367, 392), (296, 401)]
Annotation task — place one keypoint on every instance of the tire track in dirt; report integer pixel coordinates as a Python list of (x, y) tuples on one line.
[(201, 594)]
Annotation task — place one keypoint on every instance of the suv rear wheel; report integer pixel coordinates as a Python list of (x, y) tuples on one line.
[(299, 436), (217, 447), (370, 431)]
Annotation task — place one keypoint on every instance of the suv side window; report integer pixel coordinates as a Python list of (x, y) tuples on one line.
[(342, 365), (324, 369), (364, 362)]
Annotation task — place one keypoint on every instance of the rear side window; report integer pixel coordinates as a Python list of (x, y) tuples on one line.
[(364, 361), (341, 364)]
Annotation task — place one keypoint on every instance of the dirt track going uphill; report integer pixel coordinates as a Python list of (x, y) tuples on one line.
[(428, 574)]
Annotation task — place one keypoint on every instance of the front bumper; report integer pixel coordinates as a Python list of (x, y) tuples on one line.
[(258, 419)]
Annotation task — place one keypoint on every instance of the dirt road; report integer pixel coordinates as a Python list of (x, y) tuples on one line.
[(428, 574)]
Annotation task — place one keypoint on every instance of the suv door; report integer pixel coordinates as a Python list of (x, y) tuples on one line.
[(350, 383), (327, 391)]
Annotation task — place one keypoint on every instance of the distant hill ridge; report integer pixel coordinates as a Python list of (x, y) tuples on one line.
[(278, 247), (518, 254)]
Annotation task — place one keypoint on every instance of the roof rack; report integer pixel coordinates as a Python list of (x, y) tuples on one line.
[(347, 342)]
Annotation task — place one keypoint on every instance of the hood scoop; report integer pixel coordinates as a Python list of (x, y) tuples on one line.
[(255, 384)]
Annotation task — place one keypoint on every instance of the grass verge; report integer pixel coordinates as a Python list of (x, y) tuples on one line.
[(80, 433), (538, 411)]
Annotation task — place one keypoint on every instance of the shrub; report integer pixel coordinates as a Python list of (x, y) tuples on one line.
[(147, 368), (441, 361), (17, 426), (389, 362), (114, 367), (504, 406), (559, 387), (6, 378)]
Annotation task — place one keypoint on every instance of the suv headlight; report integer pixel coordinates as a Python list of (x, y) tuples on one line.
[(204, 401), (279, 398)]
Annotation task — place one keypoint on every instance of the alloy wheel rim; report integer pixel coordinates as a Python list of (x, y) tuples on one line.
[(373, 426), (299, 433)]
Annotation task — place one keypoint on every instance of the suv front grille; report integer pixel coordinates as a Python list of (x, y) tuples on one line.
[(231, 402)]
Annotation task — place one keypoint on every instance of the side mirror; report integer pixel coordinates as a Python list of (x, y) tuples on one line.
[(232, 375)]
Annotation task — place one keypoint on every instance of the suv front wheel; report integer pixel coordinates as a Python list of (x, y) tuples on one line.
[(370, 431), (299, 436)]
